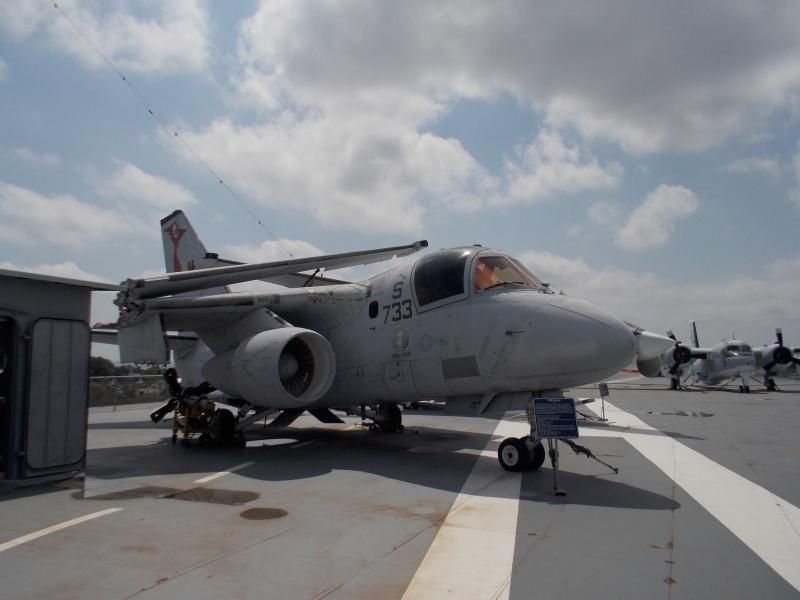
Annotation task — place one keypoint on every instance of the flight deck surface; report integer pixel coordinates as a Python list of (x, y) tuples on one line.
[(704, 505)]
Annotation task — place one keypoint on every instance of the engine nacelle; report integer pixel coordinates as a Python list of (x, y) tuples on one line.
[(776, 355), (650, 367), (288, 367)]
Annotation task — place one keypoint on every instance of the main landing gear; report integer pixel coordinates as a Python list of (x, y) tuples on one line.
[(385, 417), (674, 383), (521, 454), (745, 387), (770, 384)]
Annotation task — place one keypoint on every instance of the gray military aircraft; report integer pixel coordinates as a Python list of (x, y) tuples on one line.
[(470, 325), (775, 359), (728, 360)]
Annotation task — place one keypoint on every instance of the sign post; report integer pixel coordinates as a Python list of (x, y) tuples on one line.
[(555, 418), (603, 393)]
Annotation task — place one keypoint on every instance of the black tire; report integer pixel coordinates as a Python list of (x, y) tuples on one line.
[(513, 455), (771, 385), (390, 419), (673, 383), (747, 389), (222, 427), (537, 457)]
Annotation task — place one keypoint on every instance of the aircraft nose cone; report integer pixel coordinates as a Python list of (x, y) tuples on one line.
[(579, 337)]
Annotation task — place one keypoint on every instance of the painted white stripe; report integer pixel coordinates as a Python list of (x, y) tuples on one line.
[(301, 444), (223, 473), (53, 528), (766, 523), (484, 515), (476, 452)]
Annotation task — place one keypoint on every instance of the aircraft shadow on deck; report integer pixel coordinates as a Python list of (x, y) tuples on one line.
[(435, 458)]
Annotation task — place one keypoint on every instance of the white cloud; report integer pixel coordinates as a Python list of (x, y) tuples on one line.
[(173, 38), (653, 222), (697, 76), (755, 164), (356, 171), (19, 19), (128, 183), (271, 250), (754, 306), (604, 213), (45, 159), (548, 167), (28, 217)]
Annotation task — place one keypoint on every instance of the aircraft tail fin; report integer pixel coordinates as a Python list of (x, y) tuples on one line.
[(183, 250), (693, 334)]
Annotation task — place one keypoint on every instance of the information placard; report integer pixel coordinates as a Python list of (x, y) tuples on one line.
[(555, 418)]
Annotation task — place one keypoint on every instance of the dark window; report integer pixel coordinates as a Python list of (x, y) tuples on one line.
[(440, 275), (373, 309)]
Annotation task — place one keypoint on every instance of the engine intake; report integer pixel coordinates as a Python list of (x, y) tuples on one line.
[(289, 367)]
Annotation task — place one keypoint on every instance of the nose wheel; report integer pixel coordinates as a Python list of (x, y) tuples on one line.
[(520, 454)]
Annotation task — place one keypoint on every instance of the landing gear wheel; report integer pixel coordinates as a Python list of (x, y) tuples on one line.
[(673, 383), (537, 458), (741, 389), (771, 385), (513, 454), (389, 418), (747, 389), (537, 455), (222, 427)]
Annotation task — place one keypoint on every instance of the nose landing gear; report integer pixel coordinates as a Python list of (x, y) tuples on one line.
[(521, 454)]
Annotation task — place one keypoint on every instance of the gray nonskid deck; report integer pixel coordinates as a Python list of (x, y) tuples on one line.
[(336, 511)]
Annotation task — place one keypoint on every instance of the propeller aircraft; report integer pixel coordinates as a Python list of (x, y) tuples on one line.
[(775, 359), (730, 359)]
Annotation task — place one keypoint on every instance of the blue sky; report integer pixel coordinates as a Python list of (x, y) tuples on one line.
[(640, 157)]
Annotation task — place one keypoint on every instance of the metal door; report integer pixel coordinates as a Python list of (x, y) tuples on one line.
[(6, 354), (58, 394)]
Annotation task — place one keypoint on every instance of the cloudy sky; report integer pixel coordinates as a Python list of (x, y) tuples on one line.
[(638, 155)]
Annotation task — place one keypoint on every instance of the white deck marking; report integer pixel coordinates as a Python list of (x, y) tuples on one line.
[(53, 528), (223, 473), (766, 523), (484, 515)]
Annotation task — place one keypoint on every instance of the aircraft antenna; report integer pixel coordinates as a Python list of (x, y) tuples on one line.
[(173, 131)]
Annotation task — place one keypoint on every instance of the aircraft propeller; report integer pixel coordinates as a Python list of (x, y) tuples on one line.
[(782, 355), (680, 354)]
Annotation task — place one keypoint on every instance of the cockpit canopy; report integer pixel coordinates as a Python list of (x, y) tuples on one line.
[(443, 275), (499, 270), (737, 349)]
